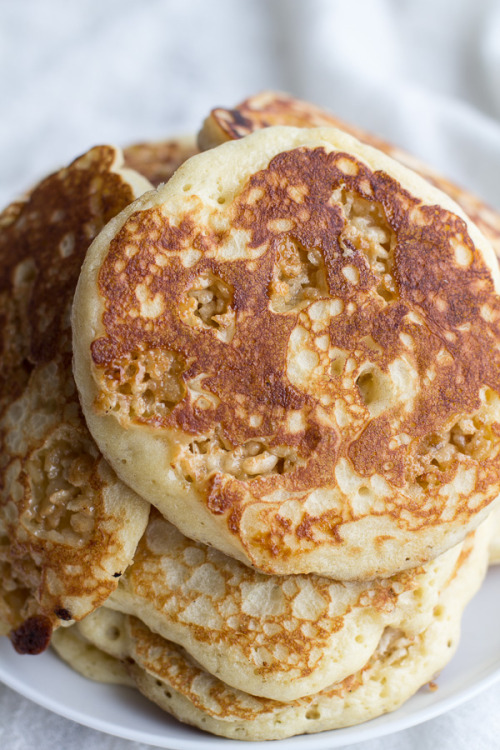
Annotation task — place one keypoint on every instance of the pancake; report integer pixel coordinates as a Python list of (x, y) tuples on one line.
[(157, 161), (279, 637), (265, 110), (273, 108), (291, 349), (495, 540), (87, 659), (400, 665), (68, 526), (106, 630)]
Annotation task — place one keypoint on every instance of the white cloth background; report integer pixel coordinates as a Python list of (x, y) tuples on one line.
[(424, 74)]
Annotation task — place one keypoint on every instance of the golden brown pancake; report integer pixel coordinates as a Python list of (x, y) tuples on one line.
[(85, 658), (274, 108), (157, 161), (263, 111), (495, 539), (277, 636), (291, 349), (68, 526), (399, 666)]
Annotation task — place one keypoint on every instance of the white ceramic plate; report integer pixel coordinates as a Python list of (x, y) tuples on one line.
[(124, 713)]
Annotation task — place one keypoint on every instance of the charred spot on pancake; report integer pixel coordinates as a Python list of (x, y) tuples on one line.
[(63, 614), (33, 636)]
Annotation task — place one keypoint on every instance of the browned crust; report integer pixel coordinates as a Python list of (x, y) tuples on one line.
[(158, 161), (43, 241), (33, 636), (449, 297)]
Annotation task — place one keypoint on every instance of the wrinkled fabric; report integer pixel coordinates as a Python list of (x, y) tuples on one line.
[(424, 75), (475, 724)]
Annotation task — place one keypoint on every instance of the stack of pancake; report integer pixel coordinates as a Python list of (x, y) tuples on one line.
[(251, 466)]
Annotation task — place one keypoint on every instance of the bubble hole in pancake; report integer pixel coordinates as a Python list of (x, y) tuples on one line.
[(397, 668), (291, 349), (68, 526)]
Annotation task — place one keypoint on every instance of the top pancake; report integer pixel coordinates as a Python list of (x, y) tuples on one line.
[(68, 526), (291, 349)]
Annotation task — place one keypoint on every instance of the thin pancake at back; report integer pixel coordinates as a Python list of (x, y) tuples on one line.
[(273, 108), (68, 526), (157, 161), (291, 349)]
